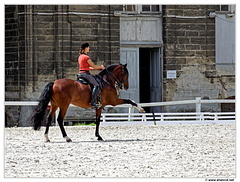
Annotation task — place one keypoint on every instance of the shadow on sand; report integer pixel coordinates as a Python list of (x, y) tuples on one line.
[(106, 141)]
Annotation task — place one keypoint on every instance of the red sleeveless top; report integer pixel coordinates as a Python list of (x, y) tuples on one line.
[(83, 64)]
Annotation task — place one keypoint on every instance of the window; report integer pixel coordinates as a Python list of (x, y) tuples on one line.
[(150, 8), (142, 8), (129, 8), (228, 8), (223, 8)]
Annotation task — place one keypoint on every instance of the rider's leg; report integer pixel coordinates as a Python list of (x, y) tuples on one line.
[(95, 93), (95, 85)]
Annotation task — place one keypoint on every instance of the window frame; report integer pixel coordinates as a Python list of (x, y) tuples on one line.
[(138, 9), (231, 9)]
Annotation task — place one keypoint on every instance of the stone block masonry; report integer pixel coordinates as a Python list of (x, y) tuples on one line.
[(43, 43), (12, 59), (187, 40), (189, 48)]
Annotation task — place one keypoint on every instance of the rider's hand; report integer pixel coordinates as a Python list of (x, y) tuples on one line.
[(102, 67)]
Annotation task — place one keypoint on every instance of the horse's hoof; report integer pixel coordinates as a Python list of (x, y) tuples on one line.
[(69, 140), (100, 138), (140, 109), (46, 138)]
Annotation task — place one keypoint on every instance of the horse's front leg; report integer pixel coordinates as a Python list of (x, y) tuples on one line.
[(98, 115), (139, 108)]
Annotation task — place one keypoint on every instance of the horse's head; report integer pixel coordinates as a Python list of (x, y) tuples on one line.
[(119, 73), (124, 77)]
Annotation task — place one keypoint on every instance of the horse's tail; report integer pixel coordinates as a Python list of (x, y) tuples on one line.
[(39, 113)]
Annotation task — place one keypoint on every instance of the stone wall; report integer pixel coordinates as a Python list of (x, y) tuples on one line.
[(189, 48), (12, 60), (13, 83), (43, 43)]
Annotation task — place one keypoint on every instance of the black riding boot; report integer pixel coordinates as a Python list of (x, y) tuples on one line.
[(95, 92)]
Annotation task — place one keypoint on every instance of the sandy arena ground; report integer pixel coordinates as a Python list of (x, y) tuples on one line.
[(128, 151)]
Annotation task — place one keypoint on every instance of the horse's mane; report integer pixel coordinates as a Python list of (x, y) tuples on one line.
[(109, 68)]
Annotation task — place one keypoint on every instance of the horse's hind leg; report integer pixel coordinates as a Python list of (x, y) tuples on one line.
[(60, 118), (49, 119), (118, 101), (139, 108)]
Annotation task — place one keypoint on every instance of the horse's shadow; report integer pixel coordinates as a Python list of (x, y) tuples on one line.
[(106, 141), (127, 140)]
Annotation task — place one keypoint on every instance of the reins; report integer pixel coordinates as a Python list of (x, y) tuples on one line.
[(119, 83)]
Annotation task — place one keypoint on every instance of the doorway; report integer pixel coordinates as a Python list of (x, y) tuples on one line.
[(150, 82)]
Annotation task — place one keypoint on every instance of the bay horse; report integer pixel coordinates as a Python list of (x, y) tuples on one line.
[(63, 92)]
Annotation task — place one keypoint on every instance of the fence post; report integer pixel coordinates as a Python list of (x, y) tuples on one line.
[(103, 118), (144, 118), (162, 117), (130, 110), (198, 108)]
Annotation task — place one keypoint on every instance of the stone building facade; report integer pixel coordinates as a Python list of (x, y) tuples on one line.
[(42, 44), (191, 47)]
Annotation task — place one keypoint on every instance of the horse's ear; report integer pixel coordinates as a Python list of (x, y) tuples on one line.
[(125, 65)]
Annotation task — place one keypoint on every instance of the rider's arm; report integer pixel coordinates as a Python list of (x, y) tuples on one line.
[(93, 66)]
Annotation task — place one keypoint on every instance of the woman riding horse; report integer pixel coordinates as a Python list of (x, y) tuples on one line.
[(85, 64), (61, 93)]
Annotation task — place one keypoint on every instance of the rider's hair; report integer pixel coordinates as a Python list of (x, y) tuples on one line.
[(83, 46)]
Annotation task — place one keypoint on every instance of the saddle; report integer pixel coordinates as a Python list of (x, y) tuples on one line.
[(82, 80), (99, 80)]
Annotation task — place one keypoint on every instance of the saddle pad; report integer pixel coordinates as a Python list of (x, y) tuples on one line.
[(80, 80), (83, 81)]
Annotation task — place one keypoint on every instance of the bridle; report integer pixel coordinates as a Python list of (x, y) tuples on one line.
[(121, 82)]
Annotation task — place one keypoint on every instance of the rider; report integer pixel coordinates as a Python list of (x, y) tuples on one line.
[(85, 64)]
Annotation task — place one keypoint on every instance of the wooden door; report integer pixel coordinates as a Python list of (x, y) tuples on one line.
[(155, 78), (131, 57)]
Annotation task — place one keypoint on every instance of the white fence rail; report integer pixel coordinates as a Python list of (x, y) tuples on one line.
[(198, 101), (143, 117), (131, 116)]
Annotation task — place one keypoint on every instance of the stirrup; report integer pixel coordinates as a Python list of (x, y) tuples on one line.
[(96, 106)]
